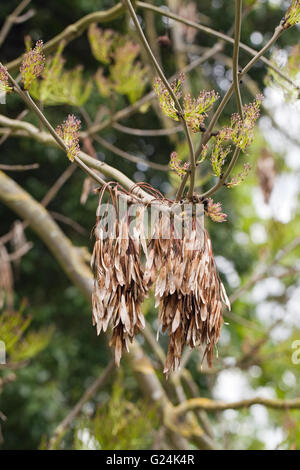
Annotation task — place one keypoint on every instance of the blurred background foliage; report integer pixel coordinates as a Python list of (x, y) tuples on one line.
[(49, 331)]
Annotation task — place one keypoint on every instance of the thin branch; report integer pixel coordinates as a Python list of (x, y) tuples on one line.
[(147, 132), (260, 274), (237, 35), (33, 106), (68, 221), (18, 253), (170, 90), (132, 158), (211, 405), (7, 134), (230, 90), (25, 129), (11, 19), (88, 394), (129, 110), (216, 34), (33, 166), (74, 30), (207, 133)]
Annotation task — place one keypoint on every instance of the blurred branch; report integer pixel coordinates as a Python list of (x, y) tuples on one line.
[(262, 271), (73, 264), (33, 166), (8, 132), (217, 34), (129, 110), (147, 132), (278, 31), (211, 405), (235, 58), (46, 199), (205, 441), (11, 377), (132, 158), (88, 394), (74, 30), (170, 90), (14, 18), (19, 253), (68, 221)]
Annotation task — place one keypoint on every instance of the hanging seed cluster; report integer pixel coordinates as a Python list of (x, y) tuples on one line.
[(189, 294), (119, 290)]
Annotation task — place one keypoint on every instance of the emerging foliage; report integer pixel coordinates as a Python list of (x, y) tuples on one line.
[(33, 65), (165, 100), (4, 85), (242, 130), (128, 76), (236, 180), (214, 211), (292, 16), (69, 132), (119, 423), (194, 109), (20, 345), (59, 86), (124, 74), (102, 42), (176, 164), (219, 152)]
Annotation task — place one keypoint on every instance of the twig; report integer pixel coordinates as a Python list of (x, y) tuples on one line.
[(33, 166), (129, 110), (237, 34), (216, 34), (7, 134), (74, 30), (68, 221), (89, 393), (19, 253), (259, 275), (170, 90), (147, 132), (211, 405), (32, 105), (132, 158), (11, 19), (229, 92)]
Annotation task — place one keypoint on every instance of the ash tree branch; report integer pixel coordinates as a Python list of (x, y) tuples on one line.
[(72, 262), (25, 129), (217, 34), (88, 394), (211, 405), (170, 90), (74, 30), (13, 18), (237, 34)]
